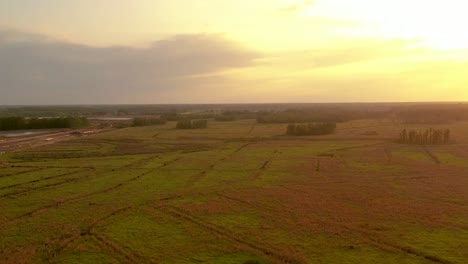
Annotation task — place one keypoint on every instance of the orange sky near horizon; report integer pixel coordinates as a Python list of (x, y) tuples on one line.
[(278, 51)]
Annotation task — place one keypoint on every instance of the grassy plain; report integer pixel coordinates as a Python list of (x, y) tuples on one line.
[(237, 192)]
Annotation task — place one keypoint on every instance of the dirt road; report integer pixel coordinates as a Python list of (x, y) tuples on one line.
[(9, 145)]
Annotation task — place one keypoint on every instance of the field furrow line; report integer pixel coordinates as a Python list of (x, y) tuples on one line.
[(44, 187), (254, 247), (361, 146), (258, 174), (42, 179), (118, 252), (199, 176), (36, 169), (366, 235), (431, 155), (389, 155), (86, 196), (252, 128), (128, 256)]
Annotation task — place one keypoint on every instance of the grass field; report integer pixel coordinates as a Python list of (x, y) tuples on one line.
[(237, 192)]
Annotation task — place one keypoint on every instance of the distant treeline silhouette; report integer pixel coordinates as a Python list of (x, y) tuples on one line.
[(318, 115), (225, 118), (300, 117), (433, 115), (180, 117), (427, 137), (192, 124), (311, 129), (19, 123), (148, 121)]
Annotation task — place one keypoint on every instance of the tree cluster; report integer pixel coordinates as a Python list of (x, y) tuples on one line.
[(19, 123), (148, 121), (192, 124), (427, 137), (311, 129)]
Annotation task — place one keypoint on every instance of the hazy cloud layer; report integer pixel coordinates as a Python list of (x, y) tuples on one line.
[(297, 7), (34, 68)]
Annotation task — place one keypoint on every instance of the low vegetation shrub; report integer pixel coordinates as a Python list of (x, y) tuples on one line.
[(311, 129)]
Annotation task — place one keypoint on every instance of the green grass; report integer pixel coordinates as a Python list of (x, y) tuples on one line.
[(238, 191), (374, 166), (451, 159), (446, 243), (161, 238), (412, 155), (85, 257)]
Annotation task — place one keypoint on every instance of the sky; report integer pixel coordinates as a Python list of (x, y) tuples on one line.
[(232, 51)]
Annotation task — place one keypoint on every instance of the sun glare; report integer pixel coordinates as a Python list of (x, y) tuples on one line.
[(440, 23)]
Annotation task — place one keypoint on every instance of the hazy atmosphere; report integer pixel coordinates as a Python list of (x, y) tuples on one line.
[(226, 51), (233, 132)]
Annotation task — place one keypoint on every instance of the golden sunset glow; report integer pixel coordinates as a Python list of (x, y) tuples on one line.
[(294, 50)]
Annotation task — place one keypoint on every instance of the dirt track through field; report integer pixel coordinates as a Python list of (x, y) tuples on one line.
[(199, 176), (254, 247), (86, 196), (370, 237), (117, 250)]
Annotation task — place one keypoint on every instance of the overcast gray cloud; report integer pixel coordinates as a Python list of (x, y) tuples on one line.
[(34, 68)]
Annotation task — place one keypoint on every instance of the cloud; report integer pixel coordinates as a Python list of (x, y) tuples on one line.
[(35, 68), (204, 68), (349, 51), (295, 8)]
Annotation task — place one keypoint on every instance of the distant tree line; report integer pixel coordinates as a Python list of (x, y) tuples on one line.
[(435, 114), (148, 121), (225, 118), (192, 124), (317, 115), (427, 137), (245, 114), (311, 129), (19, 123)]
